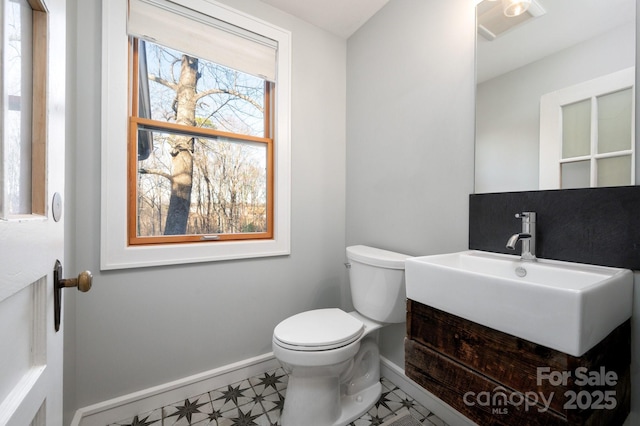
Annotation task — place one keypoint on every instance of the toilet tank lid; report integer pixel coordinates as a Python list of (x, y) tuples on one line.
[(376, 257)]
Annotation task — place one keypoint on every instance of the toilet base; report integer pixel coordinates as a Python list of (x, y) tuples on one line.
[(305, 398), (333, 395), (354, 406)]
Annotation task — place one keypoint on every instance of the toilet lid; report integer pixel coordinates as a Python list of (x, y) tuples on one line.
[(320, 329)]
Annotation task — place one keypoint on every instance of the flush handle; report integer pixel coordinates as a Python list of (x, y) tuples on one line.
[(82, 283)]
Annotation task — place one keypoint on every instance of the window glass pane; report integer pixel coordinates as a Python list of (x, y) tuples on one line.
[(576, 129), (614, 171), (17, 95), (191, 91), (225, 194), (614, 121), (576, 174)]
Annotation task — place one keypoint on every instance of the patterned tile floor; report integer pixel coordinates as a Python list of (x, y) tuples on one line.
[(258, 401)]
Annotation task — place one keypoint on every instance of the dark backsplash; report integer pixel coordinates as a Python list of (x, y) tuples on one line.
[(599, 226)]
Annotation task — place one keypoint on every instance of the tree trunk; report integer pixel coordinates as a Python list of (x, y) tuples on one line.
[(182, 150)]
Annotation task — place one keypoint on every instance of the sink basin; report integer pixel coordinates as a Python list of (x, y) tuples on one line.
[(565, 306)]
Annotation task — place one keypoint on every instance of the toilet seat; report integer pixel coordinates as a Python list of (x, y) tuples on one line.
[(318, 330)]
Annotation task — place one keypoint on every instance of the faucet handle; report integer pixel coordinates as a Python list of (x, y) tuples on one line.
[(526, 215)]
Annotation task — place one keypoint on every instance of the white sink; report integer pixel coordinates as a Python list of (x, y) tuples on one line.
[(565, 306)]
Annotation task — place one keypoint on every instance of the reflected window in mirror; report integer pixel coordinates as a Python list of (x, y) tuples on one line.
[(587, 132)]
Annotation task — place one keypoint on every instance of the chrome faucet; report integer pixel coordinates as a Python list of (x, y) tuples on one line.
[(528, 236)]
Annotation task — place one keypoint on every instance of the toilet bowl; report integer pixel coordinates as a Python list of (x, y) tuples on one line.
[(332, 356)]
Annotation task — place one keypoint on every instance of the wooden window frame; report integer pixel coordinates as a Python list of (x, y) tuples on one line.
[(39, 110), (132, 167)]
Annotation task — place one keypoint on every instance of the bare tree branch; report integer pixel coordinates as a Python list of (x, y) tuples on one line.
[(155, 172), (167, 83), (232, 93)]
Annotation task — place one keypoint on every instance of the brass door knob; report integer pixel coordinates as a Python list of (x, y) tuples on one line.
[(83, 282)]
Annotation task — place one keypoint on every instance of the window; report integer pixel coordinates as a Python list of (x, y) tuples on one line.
[(199, 148), (587, 134), (23, 136), (203, 153)]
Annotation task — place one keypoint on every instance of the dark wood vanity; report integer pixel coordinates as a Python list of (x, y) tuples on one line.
[(494, 378)]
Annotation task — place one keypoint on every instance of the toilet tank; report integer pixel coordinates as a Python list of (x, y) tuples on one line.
[(376, 278)]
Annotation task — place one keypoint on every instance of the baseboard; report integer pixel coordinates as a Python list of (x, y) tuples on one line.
[(127, 406), (431, 402)]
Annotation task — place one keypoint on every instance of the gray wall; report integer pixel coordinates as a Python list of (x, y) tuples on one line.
[(508, 107), (141, 328), (410, 124)]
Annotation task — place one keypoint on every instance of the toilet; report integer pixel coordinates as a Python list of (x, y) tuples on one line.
[(332, 356)]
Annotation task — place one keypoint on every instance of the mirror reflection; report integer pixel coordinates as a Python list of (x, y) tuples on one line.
[(555, 95)]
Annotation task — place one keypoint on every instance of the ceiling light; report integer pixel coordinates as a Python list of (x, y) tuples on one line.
[(513, 8)]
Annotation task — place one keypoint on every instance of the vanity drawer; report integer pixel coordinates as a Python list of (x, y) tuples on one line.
[(460, 387), (504, 358), (515, 363)]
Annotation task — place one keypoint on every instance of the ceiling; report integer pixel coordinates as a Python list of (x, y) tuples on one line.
[(566, 23), (340, 17)]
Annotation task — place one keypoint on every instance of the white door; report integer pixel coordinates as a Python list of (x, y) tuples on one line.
[(32, 134)]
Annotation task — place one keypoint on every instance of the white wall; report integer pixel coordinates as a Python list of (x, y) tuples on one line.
[(410, 124), (508, 107), (140, 328)]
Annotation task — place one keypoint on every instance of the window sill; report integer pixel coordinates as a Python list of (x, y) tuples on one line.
[(160, 255)]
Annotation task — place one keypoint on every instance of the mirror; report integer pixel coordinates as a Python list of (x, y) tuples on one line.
[(570, 42)]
